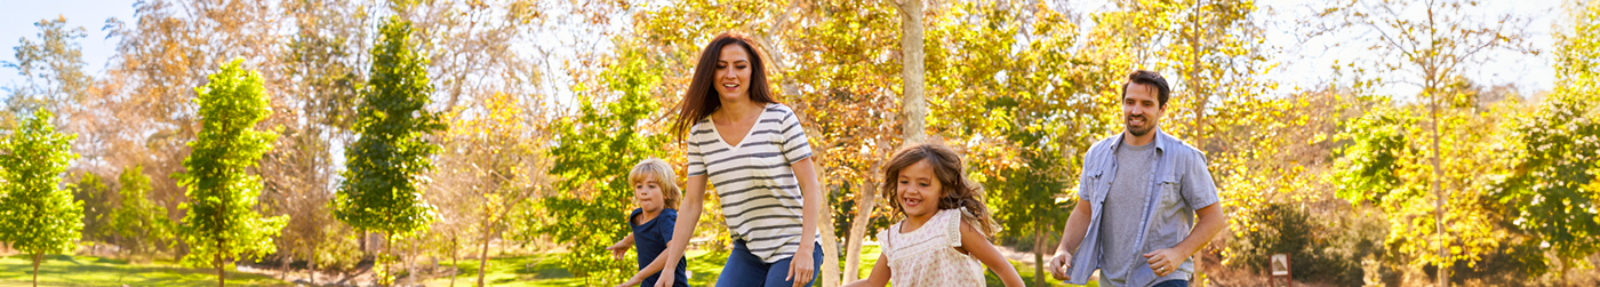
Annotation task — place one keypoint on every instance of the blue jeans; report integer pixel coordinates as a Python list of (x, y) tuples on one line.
[(745, 269), (1168, 283)]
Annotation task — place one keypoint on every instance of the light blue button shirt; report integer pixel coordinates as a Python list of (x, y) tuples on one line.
[(1180, 184)]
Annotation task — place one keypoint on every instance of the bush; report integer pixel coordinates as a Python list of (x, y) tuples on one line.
[(1326, 250)]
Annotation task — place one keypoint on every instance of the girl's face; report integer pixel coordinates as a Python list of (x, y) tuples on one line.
[(647, 193), (733, 73), (919, 190)]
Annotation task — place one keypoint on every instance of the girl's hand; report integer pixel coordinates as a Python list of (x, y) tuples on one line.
[(631, 282), (666, 279), (800, 267)]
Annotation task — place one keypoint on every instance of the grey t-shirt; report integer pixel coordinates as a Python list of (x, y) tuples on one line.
[(1123, 210)]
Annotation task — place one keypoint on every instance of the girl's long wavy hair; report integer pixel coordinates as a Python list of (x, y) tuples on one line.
[(701, 99), (957, 191)]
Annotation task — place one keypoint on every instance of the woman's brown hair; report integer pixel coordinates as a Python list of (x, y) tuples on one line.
[(958, 191), (701, 99)]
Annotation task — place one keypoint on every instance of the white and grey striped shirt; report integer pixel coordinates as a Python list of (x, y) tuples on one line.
[(760, 194)]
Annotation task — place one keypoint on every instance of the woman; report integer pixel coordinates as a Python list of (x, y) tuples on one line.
[(754, 151)]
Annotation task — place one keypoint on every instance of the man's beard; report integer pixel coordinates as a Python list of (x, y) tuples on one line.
[(1135, 131)]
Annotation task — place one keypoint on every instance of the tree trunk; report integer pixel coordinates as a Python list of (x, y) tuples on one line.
[(1444, 255), (1038, 255), (830, 244), (455, 258), (866, 199), (913, 106), (483, 254), (36, 258)]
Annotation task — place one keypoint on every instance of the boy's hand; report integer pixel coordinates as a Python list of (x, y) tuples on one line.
[(1059, 265), (618, 250)]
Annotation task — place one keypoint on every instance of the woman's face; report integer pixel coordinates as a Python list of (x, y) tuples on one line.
[(733, 73), (919, 189)]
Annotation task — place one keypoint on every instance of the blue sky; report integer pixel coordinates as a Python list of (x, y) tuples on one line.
[(1300, 66), (18, 17)]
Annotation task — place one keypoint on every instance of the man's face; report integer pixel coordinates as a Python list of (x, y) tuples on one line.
[(1141, 110)]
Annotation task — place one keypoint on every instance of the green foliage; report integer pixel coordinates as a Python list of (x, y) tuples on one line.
[(141, 224), (593, 154), (384, 169), (99, 202), (37, 215), (1553, 192), (1378, 141), (52, 66), (1321, 249), (221, 224)]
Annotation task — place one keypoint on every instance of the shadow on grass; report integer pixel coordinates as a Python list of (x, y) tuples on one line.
[(63, 270)]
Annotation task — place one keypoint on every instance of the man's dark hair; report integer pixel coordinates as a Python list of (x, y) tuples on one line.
[(1152, 79)]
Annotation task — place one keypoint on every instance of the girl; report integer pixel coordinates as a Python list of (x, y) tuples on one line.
[(655, 191), (942, 239), (753, 150)]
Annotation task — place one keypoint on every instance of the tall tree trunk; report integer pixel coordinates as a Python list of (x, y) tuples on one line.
[(36, 258), (483, 254), (865, 200), (830, 243), (455, 258), (1444, 242), (1038, 255), (913, 105)]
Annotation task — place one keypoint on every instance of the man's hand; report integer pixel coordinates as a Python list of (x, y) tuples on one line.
[(1058, 266), (1164, 261)]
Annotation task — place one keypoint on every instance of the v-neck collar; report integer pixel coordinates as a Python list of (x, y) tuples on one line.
[(747, 133)]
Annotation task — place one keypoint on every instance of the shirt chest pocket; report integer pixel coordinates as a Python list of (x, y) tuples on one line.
[(1097, 184), (1170, 194)]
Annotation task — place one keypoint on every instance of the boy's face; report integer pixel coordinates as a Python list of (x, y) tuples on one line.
[(919, 190), (647, 193)]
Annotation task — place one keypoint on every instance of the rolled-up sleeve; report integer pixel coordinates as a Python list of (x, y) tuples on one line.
[(1198, 189)]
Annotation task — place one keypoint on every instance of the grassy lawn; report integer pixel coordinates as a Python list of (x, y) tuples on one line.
[(62, 270), (703, 269)]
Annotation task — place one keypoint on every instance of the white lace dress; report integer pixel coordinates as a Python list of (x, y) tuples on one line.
[(928, 256)]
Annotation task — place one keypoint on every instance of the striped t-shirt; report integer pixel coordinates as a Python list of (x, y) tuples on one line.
[(760, 194)]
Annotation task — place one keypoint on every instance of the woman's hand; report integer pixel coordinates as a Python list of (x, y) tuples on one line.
[(666, 279), (800, 267)]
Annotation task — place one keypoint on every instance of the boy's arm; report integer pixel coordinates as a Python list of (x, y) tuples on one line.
[(621, 248), (879, 277), (979, 247), (654, 267)]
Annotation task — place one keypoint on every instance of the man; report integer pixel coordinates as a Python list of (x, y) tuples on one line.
[(1139, 194)]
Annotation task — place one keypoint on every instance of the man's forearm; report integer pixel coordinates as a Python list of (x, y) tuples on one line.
[(1210, 222)]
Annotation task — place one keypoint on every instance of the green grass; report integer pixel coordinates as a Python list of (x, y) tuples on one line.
[(62, 270), (703, 268)]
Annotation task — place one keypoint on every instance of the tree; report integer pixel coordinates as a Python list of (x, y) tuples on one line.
[(140, 224), (37, 215), (913, 103), (385, 167), (221, 224), (1554, 187), (592, 156), (53, 69), (501, 155), (99, 203), (1433, 53)]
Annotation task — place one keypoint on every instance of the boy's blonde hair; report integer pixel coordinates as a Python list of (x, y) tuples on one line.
[(655, 168)]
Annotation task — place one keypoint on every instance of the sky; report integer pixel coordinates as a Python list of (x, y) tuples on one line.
[(1299, 65), (18, 17)]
